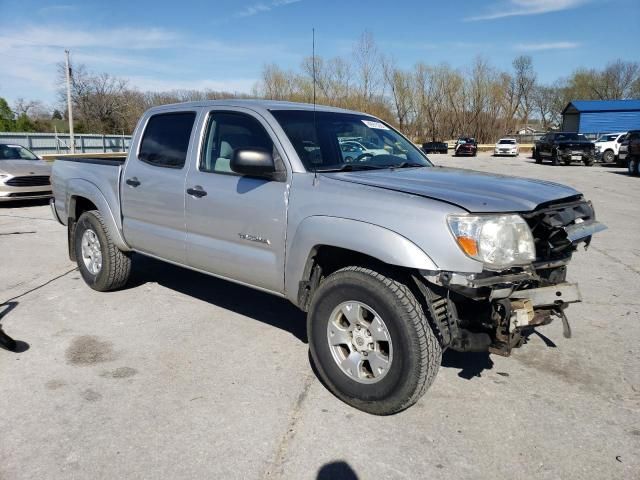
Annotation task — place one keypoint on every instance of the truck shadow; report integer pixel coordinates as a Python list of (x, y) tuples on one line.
[(260, 306), (470, 364)]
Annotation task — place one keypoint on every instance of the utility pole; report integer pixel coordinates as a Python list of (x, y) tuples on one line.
[(68, 72)]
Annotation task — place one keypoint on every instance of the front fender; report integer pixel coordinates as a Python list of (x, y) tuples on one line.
[(366, 238), (78, 187)]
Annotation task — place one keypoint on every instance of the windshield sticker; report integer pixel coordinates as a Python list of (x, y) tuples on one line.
[(378, 125)]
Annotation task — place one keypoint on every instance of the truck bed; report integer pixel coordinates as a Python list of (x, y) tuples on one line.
[(79, 173)]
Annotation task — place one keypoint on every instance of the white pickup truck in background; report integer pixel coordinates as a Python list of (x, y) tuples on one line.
[(608, 146)]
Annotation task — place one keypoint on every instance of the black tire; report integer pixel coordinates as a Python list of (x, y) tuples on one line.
[(567, 161), (537, 157), (416, 352), (116, 265), (634, 166), (588, 161), (608, 156)]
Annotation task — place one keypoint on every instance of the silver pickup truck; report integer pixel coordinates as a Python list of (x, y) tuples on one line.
[(393, 258)]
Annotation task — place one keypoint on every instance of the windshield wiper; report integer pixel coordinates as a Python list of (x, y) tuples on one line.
[(405, 165), (350, 167)]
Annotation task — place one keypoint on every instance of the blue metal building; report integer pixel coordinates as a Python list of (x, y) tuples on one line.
[(593, 117)]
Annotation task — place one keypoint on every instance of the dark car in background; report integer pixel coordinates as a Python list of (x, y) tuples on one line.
[(435, 147), (632, 142), (564, 147), (466, 146)]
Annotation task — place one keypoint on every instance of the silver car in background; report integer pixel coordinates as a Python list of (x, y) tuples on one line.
[(23, 176), (507, 146)]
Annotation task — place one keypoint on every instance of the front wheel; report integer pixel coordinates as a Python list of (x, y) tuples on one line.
[(633, 166), (102, 265), (537, 157), (608, 156), (371, 342)]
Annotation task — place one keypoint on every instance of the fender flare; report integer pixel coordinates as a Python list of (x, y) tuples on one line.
[(373, 240), (78, 187)]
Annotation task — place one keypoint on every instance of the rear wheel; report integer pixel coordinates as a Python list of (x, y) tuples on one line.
[(633, 166), (102, 265), (371, 342)]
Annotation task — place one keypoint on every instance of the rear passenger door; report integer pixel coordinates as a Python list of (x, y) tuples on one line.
[(236, 224), (152, 186), (545, 149)]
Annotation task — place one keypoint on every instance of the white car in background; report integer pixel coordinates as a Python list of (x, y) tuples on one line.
[(608, 146), (357, 150), (507, 146)]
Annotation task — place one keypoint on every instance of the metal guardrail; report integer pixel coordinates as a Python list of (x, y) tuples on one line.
[(48, 143)]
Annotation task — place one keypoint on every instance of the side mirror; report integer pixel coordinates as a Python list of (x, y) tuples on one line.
[(253, 162)]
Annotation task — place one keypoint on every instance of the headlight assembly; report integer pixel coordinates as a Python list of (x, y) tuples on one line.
[(498, 241)]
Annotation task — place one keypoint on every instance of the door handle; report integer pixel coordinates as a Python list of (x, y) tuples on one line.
[(134, 182), (196, 191)]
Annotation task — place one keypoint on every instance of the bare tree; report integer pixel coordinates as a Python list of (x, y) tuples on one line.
[(400, 86), (367, 59), (525, 80)]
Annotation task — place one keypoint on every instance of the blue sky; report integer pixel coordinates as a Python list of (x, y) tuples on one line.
[(223, 44)]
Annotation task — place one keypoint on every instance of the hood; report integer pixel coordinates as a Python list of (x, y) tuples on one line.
[(574, 142), (476, 192), (23, 168)]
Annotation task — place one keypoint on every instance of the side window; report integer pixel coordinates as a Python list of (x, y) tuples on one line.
[(227, 132), (166, 139)]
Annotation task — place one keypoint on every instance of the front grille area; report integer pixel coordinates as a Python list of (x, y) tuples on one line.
[(30, 181), (547, 225), (28, 194)]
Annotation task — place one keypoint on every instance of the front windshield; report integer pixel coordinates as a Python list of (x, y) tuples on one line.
[(332, 140), (506, 141), (607, 138), (15, 152), (570, 136)]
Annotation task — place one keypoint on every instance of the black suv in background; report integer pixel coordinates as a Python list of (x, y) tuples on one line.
[(435, 147), (632, 142), (566, 147)]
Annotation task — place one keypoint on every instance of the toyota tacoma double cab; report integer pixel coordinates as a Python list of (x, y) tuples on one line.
[(564, 147), (393, 259)]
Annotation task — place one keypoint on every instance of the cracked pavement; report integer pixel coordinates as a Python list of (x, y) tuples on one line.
[(186, 376)]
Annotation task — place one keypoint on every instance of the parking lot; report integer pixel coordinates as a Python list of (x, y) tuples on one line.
[(185, 376)]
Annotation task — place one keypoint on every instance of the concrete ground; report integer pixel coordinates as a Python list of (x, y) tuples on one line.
[(186, 376)]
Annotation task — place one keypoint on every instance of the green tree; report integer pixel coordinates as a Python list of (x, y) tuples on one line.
[(24, 124), (7, 121)]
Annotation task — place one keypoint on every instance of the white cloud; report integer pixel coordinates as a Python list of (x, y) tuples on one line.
[(125, 38), (257, 8), (56, 9), (512, 8), (537, 47), (144, 83), (152, 59)]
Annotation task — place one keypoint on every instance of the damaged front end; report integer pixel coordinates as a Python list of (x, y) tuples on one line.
[(493, 310)]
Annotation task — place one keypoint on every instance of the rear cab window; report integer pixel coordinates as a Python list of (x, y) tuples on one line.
[(165, 141)]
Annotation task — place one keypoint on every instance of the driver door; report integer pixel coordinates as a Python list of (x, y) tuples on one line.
[(236, 224)]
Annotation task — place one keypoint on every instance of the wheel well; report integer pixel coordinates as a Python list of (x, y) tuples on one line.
[(77, 207), (81, 205), (326, 259)]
